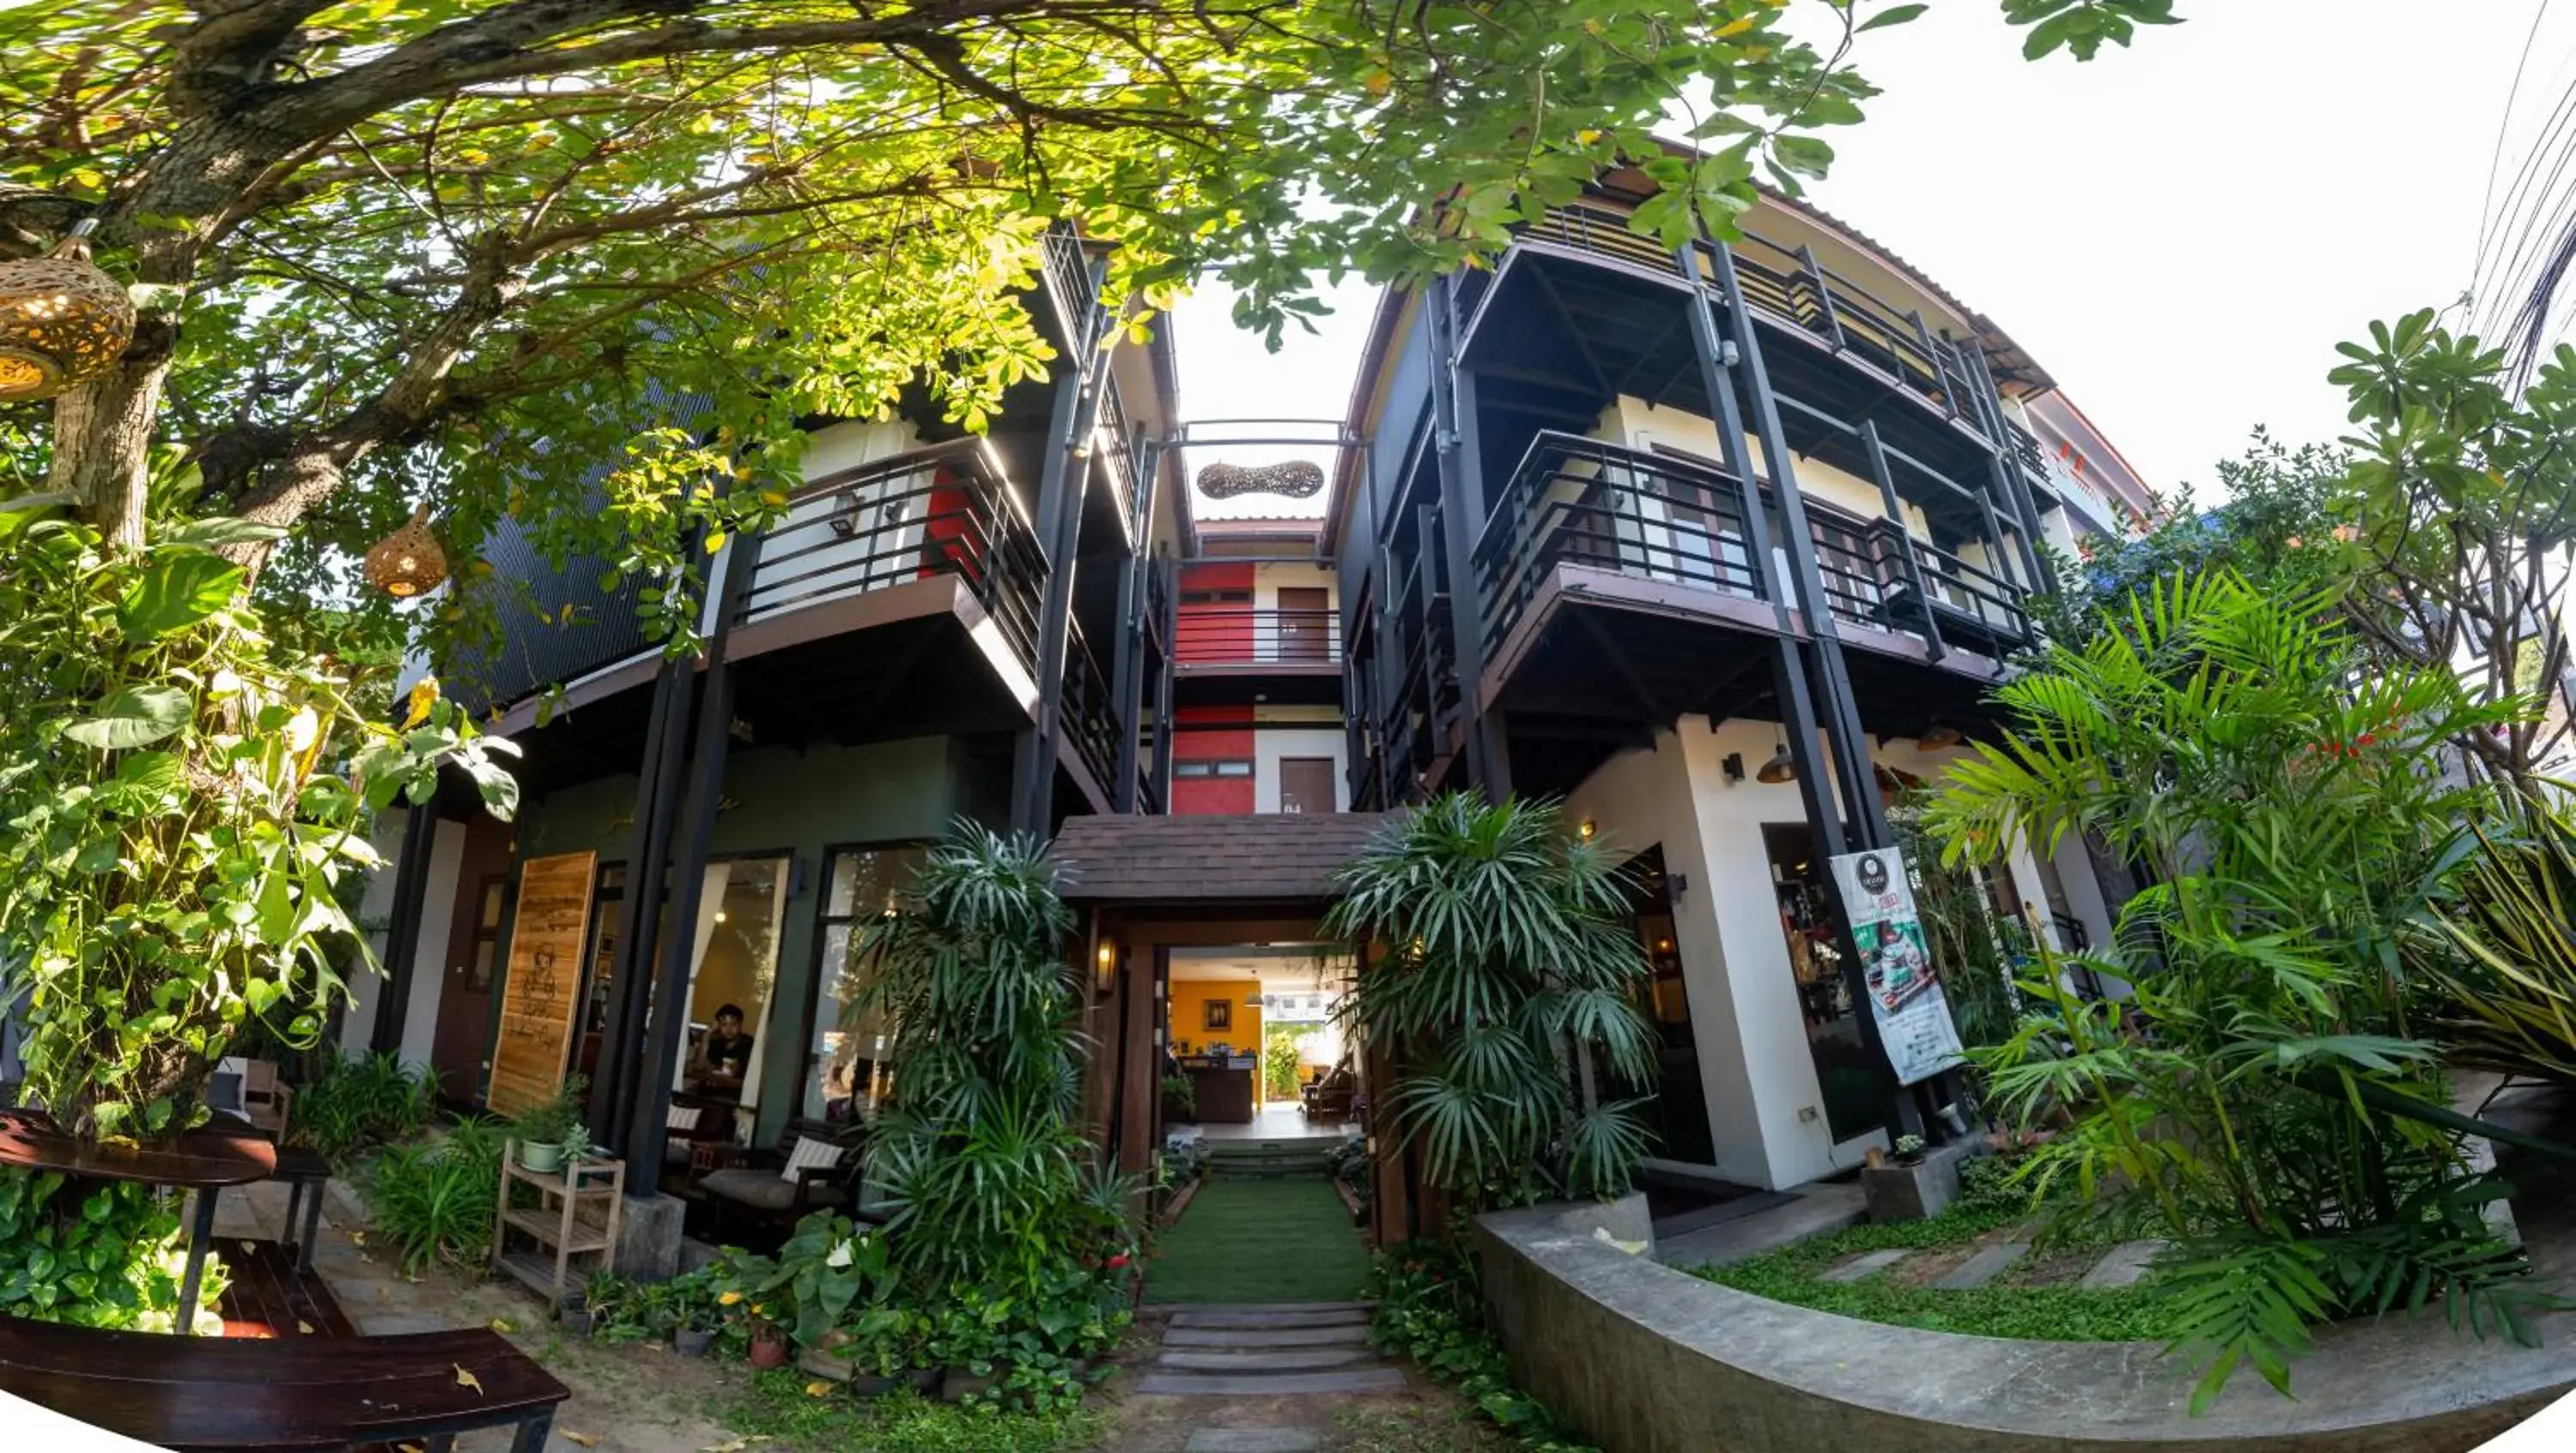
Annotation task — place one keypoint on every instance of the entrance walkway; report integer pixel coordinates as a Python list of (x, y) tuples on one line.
[(1260, 1241)]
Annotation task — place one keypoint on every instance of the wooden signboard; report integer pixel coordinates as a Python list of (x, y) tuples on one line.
[(540, 999)]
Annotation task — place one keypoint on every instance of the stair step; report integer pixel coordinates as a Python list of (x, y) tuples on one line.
[(1179, 1309), (1288, 1359), (1252, 1440), (1296, 1317), (1222, 1384), (1262, 1337)]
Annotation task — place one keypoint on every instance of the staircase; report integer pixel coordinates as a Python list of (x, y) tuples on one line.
[(1258, 1159), (1269, 1350)]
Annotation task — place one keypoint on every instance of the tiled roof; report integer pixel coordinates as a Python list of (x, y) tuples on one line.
[(1266, 857)]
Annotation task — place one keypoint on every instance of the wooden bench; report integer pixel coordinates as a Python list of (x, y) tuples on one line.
[(206, 1393)]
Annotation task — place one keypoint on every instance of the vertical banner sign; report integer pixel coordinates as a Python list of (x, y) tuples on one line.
[(544, 988), (1904, 993)]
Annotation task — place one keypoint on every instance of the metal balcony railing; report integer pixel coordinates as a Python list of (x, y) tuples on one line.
[(1090, 712), (947, 510), (1068, 280), (1115, 436), (1578, 501), (1246, 636), (1603, 506), (1790, 285)]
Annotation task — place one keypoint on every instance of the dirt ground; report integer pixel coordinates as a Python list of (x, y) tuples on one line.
[(1423, 1418)]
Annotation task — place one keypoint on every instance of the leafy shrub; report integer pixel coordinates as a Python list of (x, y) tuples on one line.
[(1279, 1061), (776, 1404), (1986, 1184), (1501, 939), (358, 1104), (183, 798), (2268, 1101), (1430, 1308), (1348, 1163), (113, 1258), (1000, 1218), (434, 1200)]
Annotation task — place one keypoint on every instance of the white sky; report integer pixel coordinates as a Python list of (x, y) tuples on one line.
[(2180, 233)]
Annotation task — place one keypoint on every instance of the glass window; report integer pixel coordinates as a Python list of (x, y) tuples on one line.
[(845, 1056)]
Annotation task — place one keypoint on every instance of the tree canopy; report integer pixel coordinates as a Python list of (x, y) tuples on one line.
[(462, 253)]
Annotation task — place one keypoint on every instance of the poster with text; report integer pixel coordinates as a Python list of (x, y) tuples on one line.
[(1904, 992)]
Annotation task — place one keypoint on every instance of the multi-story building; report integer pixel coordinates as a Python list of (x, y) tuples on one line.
[(1724, 546)]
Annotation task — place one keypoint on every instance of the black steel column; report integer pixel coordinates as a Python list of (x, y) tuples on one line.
[(402, 935), (1063, 479), (657, 787), (1127, 675), (2007, 472), (667, 1020), (1895, 505), (1168, 625), (1462, 515)]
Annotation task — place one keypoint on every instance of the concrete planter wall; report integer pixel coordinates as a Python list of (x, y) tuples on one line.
[(1646, 1359)]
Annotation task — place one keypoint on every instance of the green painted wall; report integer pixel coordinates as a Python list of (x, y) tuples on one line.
[(789, 802)]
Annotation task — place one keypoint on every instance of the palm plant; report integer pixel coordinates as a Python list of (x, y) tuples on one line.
[(2501, 967), (2269, 1100), (979, 1144), (1503, 980)]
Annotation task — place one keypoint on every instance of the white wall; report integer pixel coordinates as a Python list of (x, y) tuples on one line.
[(1297, 731), (884, 541), (429, 956)]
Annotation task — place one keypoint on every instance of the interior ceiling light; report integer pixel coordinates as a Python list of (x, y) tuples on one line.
[(1938, 735), (1295, 478)]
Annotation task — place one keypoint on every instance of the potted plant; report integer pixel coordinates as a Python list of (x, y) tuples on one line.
[(689, 1310), (609, 1304), (1909, 1150), (542, 1129)]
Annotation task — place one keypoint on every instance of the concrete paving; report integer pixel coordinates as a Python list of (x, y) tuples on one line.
[(1274, 1384), (1812, 1210), (1862, 1266), (1352, 1334), (2124, 1266), (1253, 1440), (1983, 1267), (1283, 1359), (1272, 1320)]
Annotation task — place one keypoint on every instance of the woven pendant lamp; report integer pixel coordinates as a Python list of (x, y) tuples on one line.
[(407, 562), (62, 320)]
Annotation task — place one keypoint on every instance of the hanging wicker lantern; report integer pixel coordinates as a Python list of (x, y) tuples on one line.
[(407, 562), (1295, 478), (62, 320)]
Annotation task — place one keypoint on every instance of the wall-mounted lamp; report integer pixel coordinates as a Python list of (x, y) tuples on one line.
[(1734, 765), (1105, 972), (1587, 830), (720, 915)]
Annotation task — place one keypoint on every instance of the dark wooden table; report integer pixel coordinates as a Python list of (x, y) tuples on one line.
[(203, 1161)]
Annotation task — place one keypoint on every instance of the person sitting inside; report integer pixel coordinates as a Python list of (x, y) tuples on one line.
[(725, 1053)]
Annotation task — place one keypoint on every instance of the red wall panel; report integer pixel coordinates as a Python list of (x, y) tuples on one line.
[(1214, 631), (1200, 795)]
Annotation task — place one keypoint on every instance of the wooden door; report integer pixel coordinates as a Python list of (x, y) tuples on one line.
[(1306, 784), (473, 961), (1305, 623)]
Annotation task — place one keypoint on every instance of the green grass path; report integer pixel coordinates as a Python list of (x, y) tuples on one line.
[(1288, 1240)]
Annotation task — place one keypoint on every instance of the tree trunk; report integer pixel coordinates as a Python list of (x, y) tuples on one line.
[(103, 445)]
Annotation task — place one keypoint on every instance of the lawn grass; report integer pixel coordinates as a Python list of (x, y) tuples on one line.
[(796, 1414), (2060, 1313), (1287, 1240)]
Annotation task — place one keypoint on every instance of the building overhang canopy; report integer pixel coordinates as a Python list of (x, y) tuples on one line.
[(1274, 860)]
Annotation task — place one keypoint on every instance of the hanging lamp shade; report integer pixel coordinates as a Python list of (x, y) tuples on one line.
[(1781, 767), (62, 320), (407, 562), (1938, 735)]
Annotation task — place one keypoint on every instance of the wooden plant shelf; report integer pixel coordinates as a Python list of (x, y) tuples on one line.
[(576, 1216)]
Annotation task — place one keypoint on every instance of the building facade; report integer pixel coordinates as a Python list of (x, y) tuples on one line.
[(1723, 546)]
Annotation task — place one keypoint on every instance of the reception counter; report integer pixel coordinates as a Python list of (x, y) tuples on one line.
[(1222, 1088)]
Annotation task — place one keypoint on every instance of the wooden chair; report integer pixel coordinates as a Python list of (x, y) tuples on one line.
[(208, 1393), (1330, 1097), (251, 1090), (814, 1167)]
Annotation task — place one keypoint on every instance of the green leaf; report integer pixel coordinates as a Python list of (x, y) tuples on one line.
[(218, 531), (1892, 15), (136, 716), (179, 590)]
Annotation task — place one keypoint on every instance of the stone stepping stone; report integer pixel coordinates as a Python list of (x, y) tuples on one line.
[(1254, 1384), (1252, 1440), (1290, 1359), (1300, 1317), (1983, 1267), (1352, 1335), (2124, 1266), (1870, 1264)]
